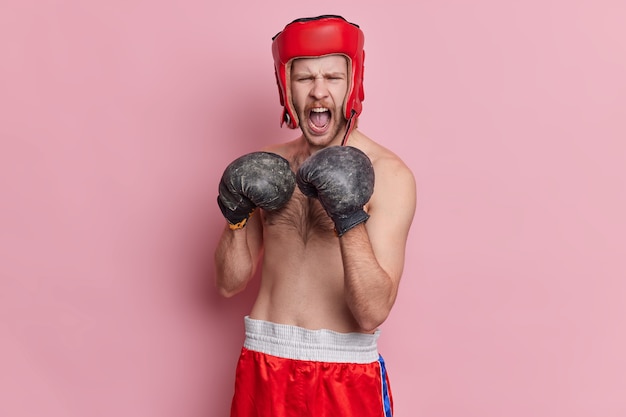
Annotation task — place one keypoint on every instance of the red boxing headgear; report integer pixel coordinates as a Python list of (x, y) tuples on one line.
[(314, 37)]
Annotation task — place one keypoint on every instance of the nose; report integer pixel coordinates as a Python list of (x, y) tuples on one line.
[(319, 88)]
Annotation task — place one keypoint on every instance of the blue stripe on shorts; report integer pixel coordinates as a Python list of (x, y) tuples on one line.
[(385, 388)]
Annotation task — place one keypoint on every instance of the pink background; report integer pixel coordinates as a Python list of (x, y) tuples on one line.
[(118, 117)]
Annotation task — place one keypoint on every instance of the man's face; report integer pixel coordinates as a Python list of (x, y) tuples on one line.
[(318, 89)]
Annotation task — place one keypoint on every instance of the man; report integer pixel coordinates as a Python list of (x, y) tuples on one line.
[(331, 244)]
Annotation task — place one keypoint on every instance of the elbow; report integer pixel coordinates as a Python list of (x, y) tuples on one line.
[(228, 288), (369, 328), (225, 292), (229, 292), (229, 283), (369, 323), (370, 316)]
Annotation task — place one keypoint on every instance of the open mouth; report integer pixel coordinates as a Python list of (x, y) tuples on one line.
[(319, 119)]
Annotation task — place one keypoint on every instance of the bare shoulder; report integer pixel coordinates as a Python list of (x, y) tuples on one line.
[(389, 168), (394, 185), (388, 165), (395, 188)]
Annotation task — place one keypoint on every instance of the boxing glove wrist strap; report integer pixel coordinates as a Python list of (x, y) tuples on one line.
[(343, 224), (237, 218)]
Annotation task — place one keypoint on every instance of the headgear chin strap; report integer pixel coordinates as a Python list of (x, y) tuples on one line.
[(315, 37)]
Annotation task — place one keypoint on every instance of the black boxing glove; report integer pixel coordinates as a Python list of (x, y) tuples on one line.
[(342, 179), (257, 179)]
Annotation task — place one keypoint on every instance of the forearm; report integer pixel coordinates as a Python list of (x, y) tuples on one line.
[(370, 292), (234, 262)]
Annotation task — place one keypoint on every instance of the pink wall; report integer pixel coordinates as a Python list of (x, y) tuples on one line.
[(118, 117)]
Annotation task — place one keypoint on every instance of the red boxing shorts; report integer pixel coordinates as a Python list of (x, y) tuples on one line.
[(288, 371)]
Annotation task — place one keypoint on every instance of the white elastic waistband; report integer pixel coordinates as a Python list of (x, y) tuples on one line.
[(297, 343)]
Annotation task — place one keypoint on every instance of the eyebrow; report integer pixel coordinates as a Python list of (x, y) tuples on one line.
[(303, 73)]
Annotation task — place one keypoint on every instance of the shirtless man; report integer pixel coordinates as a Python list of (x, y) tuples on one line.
[(328, 215)]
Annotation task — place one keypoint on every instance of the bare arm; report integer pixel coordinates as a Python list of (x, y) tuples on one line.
[(237, 255), (373, 253), (254, 181)]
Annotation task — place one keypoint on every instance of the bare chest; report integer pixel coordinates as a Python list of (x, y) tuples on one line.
[(302, 218)]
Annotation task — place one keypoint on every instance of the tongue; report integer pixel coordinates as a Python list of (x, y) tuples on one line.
[(320, 119)]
